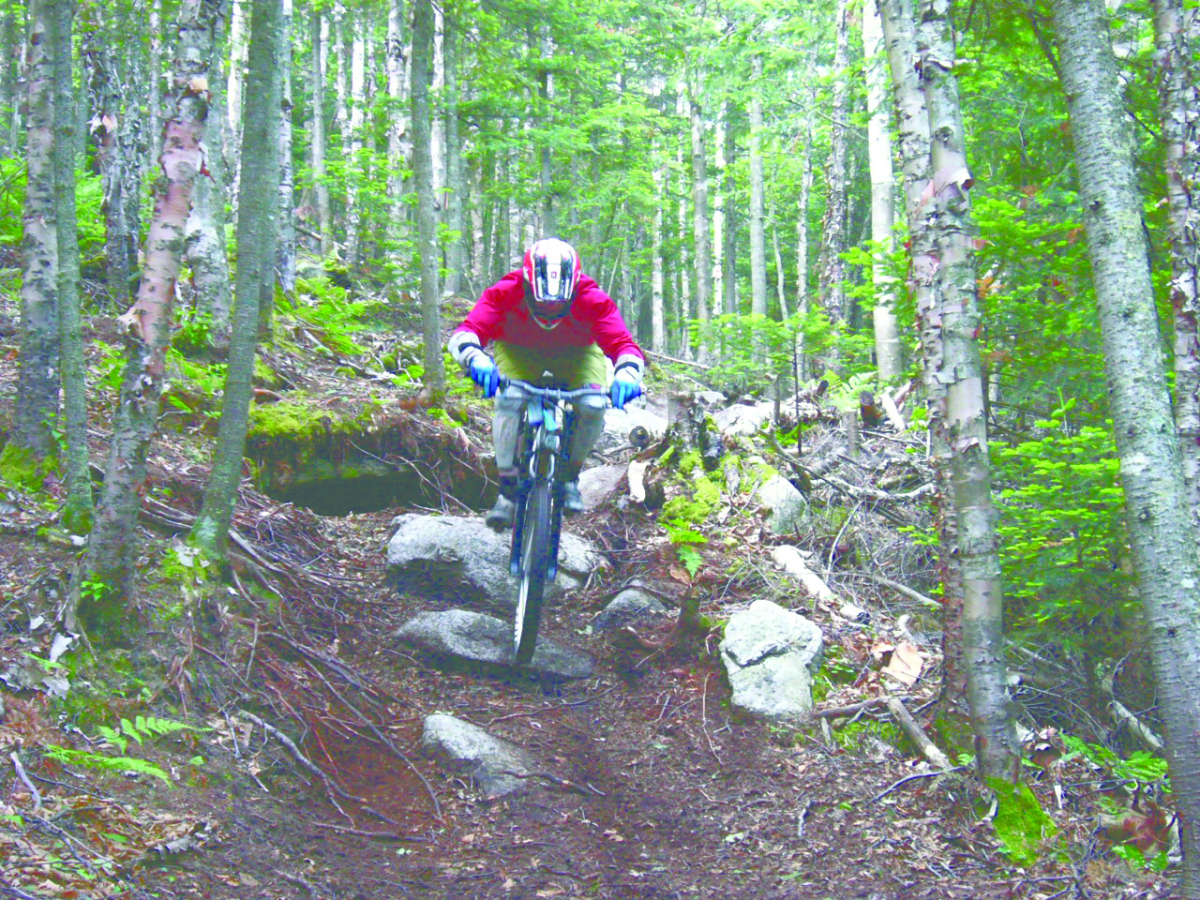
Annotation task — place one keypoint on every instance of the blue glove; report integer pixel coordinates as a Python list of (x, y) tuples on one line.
[(623, 390), (483, 373)]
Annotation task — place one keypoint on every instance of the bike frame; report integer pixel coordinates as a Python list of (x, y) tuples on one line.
[(545, 435)]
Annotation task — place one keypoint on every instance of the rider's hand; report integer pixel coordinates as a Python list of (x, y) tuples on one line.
[(625, 387), (483, 372)]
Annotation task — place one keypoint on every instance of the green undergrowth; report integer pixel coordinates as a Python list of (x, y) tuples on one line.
[(298, 421), (22, 468)]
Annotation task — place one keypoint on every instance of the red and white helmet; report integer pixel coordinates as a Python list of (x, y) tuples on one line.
[(552, 274)]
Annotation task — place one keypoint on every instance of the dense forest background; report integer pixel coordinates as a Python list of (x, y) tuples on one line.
[(744, 178)]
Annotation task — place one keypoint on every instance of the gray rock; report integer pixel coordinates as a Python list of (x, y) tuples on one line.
[(601, 484), (788, 507), (743, 418), (468, 749), (771, 656), (619, 422), (439, 556), (709, 399), (627, 608), (457, 637)]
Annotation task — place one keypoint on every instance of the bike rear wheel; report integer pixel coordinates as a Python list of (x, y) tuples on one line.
[(535, 566)]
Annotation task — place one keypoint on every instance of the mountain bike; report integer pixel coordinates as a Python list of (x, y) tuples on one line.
[(537, 521)]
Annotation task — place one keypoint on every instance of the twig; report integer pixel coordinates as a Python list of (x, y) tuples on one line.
[(33, 791), (838, 712), (304, 761), (901, 589), (908, 778), (554, 779), (381, 835)]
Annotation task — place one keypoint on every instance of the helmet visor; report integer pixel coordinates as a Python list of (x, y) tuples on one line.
[(553, 281)]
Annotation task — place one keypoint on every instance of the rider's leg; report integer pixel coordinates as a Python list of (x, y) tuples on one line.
[(582, 367)]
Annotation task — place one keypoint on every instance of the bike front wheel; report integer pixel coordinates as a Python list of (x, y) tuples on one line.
[(535, 566)]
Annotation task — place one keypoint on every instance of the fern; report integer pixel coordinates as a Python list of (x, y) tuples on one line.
[(113, 764), (691, 559)]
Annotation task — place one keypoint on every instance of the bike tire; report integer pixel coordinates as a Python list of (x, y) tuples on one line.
[(535, 566)]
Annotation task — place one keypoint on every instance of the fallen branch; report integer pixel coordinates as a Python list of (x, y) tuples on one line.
[(33, 791), (901, 589), (380, 835), (554, 779), (840, 712), (915, 733)]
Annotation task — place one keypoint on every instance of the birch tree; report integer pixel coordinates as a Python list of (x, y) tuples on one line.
[(259, 210), (77, 513), (700, 214), (38, 376), (147, 324), (317, 25), (831, 268), (879, 152), (285, 222), (965, 423), (758, 239), (427, 244), (1177, 37), (1157, 507)]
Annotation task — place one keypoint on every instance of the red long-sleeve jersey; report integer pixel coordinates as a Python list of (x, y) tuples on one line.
[(502, 315)]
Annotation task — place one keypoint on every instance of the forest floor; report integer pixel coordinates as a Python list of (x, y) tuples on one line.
[(656, 789)]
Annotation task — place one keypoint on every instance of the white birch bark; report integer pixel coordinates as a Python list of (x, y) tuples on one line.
[(239, 19), (832, 269), (285, 246), (427, 246), (1159, 517), (899, 27), (1177, 34), (879, 152), (456, 187), (997, 748), (657, 318), (802, 241), (721, 164), (684, 289), (439, 124)]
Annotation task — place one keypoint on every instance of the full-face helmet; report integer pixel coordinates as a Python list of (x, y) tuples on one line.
[(551, 275)]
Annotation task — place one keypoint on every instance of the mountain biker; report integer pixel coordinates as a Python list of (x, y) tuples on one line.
[(547, 316)]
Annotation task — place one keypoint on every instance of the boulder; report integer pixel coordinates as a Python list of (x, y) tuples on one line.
[(771, 655), (709, 400), (629, 607), (457, 638), (470, 750), (600, 485), (743, 418), (457, 557), (787, 506), (619, 422)]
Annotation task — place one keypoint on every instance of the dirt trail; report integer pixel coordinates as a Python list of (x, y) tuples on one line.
[(657, 793)]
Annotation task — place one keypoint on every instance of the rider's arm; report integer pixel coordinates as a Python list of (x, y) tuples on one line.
[(610, 331), (485, 321)]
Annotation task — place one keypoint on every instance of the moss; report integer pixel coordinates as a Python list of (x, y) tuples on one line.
[(299, 422), (954, 732), (1021, 824), (689, 462), (694, 509), (854, 735), (22, 468), (265, 376), (346, 372)]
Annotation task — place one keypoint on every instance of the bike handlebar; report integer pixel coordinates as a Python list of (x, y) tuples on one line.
[(553, 393)]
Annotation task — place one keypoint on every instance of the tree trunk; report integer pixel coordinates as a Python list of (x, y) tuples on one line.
[(341, 53), (207, 255), (1177, 34), (259, 210), (998, 753), (437, 127), (353, 146), (684, 291), (802, 242), (722, 184), (115, 159), (318, 136), (399, 149), (546, 169), (147, 325), (77, 513), (456, 251), (1160, 532), (899, 27), (658, 330), (233, 96), (285, 243), (758, 234), (427, 245), (9, 81), (729, 300), (38, 376), (879, 151), (700, 217), (832, 270)]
